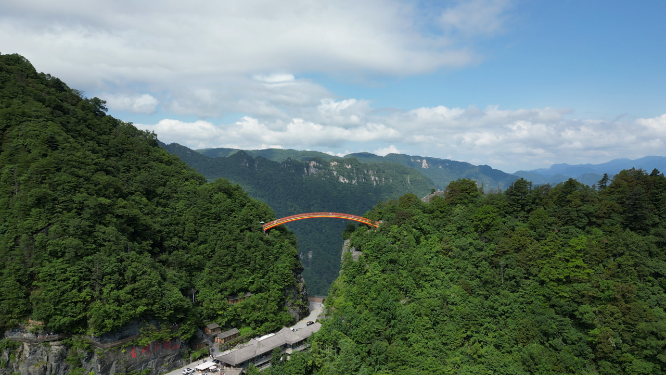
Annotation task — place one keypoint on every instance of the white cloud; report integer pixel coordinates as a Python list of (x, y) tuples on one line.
[(338, 154), (387, 150), (144, 103), (655, 124), (348, 112), (511, 139), (274, 78), (210, 58), (249, 37), (484, 17), (250, 133)]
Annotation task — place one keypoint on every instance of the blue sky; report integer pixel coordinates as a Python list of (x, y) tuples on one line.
[(512, 84)]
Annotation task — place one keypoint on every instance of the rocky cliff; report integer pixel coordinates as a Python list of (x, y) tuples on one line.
[(77, 357), (347, 248), (297, 299)]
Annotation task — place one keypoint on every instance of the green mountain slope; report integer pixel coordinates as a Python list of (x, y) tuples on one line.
[(440, 171), (443, 171), (590, 174), (589, 179), (99, 226), (549, 280), (275, 154), (292, 187), (612, 167)]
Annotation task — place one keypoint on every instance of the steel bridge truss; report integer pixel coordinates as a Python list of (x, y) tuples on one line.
[(312, 215)]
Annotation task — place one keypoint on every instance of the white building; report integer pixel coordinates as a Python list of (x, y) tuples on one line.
[(258, 351)]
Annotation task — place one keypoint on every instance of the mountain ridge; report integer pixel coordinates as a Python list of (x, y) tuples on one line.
[(611, 167), (440, 171), (447, 170)]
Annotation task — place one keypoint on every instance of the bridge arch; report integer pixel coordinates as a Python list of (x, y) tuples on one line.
[(311, 215)]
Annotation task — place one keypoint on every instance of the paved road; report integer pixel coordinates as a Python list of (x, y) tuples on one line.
[(315, 310), (191, 365)]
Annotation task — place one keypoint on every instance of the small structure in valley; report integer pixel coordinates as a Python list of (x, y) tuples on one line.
[(212, 329), (205, 366), (227, 336), (259, 351)]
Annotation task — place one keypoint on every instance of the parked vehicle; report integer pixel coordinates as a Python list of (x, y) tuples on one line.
[(188, 371)]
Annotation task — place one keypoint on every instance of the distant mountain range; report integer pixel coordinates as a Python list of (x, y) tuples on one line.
[(443, 171), (275, 154), (440, 171), (590, 174)]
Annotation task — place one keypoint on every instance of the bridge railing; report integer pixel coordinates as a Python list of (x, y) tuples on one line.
[(310, 215)]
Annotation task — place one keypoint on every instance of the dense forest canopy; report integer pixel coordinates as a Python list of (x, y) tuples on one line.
[(99, 226), (562, 279)]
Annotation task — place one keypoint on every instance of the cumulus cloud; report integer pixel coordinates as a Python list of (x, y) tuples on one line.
[(348, 112), (250, 37), (250, 133), (656, 125), (210, 58), (527, 137), (387, 150), (144, 103), (338, 154), (510, 139)]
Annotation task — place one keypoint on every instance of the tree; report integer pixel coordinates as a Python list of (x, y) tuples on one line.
[(276, 357), (603, 183), (463, 191), (517, 196)]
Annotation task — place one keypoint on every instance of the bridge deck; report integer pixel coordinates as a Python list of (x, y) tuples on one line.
[(311, 215)]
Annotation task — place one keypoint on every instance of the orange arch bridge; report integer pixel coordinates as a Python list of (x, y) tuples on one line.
[(311, 215)]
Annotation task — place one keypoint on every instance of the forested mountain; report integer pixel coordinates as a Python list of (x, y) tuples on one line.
[(589, 174), (440, 171), (100, 227), (443, 171), (534, 280), (589, 179), (292, 187), (612, 167), (275, 154)]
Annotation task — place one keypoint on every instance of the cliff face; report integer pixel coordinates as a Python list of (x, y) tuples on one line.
[(22, 352), (297, 299), (347, 248), (55, 358)]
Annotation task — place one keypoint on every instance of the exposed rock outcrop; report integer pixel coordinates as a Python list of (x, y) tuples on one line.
[(56, 358), (297, 299), (354, 253), (428, 197)]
